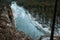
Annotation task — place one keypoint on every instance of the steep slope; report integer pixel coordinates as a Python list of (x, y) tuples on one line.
[(7, 26)]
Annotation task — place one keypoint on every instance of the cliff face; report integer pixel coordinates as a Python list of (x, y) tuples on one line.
[(7, 27)]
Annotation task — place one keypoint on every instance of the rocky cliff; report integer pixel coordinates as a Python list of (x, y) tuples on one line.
[(7, 26)]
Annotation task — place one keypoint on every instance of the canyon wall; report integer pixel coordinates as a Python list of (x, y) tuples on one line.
[(7, 26)]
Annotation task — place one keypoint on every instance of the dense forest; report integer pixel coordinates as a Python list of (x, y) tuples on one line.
[(41, 6), (41, 13)]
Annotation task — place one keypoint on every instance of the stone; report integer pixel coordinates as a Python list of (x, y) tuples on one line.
[(7, 26)]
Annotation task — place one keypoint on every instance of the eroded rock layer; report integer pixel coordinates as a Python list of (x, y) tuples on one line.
[(7, 27)]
